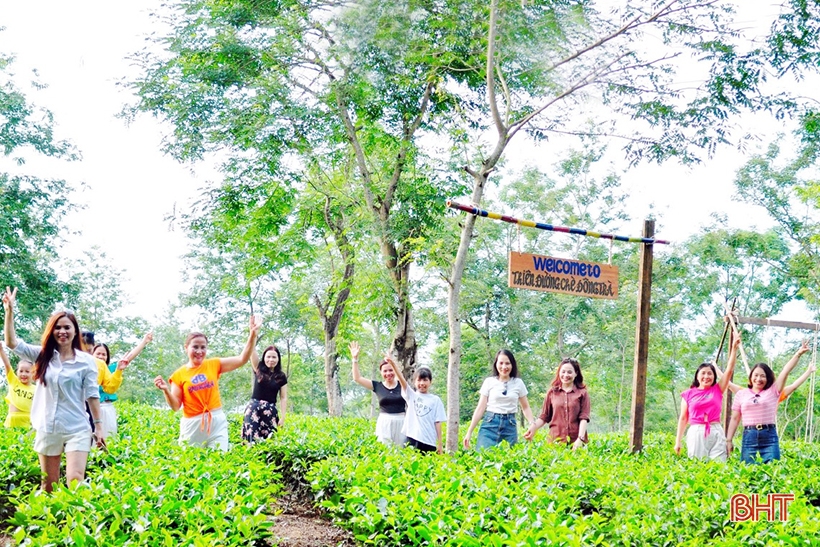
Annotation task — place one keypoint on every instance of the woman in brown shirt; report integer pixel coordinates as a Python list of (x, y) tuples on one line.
[(566, 407)]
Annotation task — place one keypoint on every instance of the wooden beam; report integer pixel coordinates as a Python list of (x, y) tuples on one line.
[(641, 340), (777, 323)]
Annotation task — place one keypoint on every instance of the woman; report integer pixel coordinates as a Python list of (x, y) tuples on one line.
[(101, 352), (756, 406), (566, 407), (261, 415), (701, 407), (500, 395), (195, 387), (392, 408), (65, 380)]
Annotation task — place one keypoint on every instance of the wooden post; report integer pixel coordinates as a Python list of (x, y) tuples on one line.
[(641, 341)]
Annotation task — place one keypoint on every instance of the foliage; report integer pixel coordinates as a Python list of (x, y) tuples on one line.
[(540, 493), (147, 490), (31, 209)]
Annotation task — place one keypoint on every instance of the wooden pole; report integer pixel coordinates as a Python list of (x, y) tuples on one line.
[(777, 323), (641, 341), (727, 397)]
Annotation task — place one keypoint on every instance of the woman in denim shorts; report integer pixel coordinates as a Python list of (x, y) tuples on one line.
[(501, 394)]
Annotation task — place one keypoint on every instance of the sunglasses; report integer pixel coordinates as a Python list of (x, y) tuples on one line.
[(756, 399), (505, 389)]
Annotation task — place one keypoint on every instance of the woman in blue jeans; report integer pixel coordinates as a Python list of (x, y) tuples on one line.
[(501, 394), (756, 408)]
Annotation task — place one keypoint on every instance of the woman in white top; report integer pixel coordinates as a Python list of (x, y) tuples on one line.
[(65, 380), (501, 394)]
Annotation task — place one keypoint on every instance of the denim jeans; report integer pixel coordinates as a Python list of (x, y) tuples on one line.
[(762, 441), (496, 428)]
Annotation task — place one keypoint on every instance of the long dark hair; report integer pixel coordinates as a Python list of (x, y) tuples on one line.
[(509, 354), (767, 370), (49, 344), (695, 382), (264, 373), (107, 352), (579, 378)]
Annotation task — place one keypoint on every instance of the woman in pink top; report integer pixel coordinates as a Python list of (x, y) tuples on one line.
[(757, 407), (701, 407)]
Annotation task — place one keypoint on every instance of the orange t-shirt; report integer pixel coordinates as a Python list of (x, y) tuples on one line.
[(200, 387)]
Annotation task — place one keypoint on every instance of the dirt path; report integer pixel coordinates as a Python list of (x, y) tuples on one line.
[(301, 525)]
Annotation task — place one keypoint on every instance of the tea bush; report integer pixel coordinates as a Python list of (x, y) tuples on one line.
[(148, 491)]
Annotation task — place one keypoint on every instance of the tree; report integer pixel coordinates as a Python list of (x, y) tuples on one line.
[(541, 59), (283, 86), (32, 209)]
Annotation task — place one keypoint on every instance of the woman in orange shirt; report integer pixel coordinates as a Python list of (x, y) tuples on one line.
[(195, 387)]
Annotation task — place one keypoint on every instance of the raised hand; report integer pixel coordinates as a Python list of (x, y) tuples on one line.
[(354, 351), (10, 298), (148, 338), (804, 347), (255, 324)]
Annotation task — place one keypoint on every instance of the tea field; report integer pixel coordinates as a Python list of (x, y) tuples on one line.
[(148, 491)]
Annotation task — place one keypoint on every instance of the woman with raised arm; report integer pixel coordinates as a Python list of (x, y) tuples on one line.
[(500, 395), (700, 409), (566, 407), (65, 380), (756, 406), (101, 352), (21, 392), (392, 408), (261, 415), (195, 387)]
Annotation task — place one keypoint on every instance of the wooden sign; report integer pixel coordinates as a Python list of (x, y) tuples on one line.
[(563, 275)]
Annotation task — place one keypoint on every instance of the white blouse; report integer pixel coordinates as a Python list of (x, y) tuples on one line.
[(59, 406)]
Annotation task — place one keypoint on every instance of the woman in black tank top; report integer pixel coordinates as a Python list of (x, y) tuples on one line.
[(261, 415), (391, 404)]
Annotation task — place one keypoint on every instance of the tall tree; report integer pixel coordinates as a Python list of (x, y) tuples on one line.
[(33, 209), (281, 85)]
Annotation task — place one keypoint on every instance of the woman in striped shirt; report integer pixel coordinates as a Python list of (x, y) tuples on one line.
[(756, 406)]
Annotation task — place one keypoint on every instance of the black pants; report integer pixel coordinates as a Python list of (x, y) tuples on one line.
[(418, 445)]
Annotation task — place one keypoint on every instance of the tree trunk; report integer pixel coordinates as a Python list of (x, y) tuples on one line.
[(403, 347), (332, 385), (454, 321)]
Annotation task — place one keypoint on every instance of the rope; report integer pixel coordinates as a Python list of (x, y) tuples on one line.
[(737, 333), (810, 396)]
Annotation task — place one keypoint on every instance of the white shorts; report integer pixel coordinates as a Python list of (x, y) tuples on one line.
[(388, 429), (54, 444), (711, 447), (109, 418), (202, 430)]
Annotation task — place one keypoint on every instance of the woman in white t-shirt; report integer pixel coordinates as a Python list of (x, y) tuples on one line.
[(501, 394)]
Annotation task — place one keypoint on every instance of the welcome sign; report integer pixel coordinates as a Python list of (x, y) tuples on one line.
[(563, 275)]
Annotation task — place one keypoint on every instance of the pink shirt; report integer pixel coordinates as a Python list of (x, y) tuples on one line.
[(704, 405), (757, 409)]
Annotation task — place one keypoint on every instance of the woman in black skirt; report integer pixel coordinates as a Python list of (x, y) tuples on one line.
[(261, 415)]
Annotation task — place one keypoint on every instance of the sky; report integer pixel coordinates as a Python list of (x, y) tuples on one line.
[(128, 186), (80, 49)]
